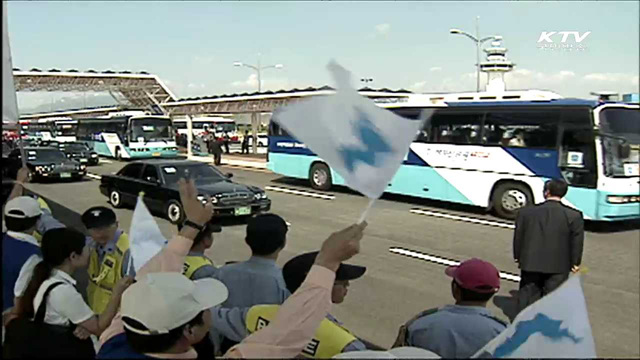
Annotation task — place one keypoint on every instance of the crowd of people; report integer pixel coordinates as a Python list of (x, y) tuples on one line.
[(182, 305)]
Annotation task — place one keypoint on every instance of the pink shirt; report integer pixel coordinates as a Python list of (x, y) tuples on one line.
[(285, 337)]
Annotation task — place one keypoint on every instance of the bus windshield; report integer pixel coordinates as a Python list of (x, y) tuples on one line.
[(151, 129), (619, 126)]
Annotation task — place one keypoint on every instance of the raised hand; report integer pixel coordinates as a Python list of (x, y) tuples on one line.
[(340, 246)]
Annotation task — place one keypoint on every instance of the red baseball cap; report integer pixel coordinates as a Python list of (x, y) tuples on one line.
[(476, 275)]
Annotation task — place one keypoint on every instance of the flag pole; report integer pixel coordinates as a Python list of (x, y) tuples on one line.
[(366, 211)]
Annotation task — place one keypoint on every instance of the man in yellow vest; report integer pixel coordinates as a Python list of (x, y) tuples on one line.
[(197, 265), (110, 258)]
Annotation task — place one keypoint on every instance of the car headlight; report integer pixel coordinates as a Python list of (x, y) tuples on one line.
[(94, 155), (83, 167), (260, 196), (214, 200)]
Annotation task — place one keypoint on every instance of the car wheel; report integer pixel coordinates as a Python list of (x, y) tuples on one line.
[(175, 214), (509, 198), (320, 177), (115, 198)]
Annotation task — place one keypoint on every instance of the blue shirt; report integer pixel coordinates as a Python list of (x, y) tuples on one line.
[(253, 282), (118, 348), (110, 247), (17, 248), (454, 331)]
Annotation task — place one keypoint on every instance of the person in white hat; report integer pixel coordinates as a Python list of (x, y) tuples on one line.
[(159, 304), (21, 214)]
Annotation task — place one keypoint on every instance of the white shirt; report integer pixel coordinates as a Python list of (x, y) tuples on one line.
[(65, 305)]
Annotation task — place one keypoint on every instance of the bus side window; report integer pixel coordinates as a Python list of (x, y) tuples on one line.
[(455, 128), (530, 128)]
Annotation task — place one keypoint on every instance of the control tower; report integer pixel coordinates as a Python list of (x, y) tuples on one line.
[(496, 66)]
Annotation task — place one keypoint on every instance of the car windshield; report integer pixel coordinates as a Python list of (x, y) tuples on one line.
[(201, 173), (151, 129), (45, 155), (620, 126)]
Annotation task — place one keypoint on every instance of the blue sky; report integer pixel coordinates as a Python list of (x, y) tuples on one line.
[(192, 45)]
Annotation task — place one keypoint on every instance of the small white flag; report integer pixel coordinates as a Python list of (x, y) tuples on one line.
[(556, 326), (9, 103), (362, 142), (145, 237)]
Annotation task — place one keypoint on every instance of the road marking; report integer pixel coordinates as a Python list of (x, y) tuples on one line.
[(443, 261), (504, 225), (94, 176), (249, 168), (302, 193), (105, 161)]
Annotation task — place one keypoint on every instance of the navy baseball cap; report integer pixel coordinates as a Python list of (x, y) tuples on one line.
[(98, 217), (296, 270)]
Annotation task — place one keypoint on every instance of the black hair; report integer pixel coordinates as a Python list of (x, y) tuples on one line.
[(470, 295), (156, 343), (266, 233), (556, 187), (57, 246), (207, 231), (20, 224)]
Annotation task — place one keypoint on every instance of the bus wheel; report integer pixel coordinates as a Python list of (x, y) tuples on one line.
[(320, 177), (175, 214), (509, 197), (115, 198)]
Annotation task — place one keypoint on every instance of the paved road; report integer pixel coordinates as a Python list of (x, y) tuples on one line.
[(395, 287)]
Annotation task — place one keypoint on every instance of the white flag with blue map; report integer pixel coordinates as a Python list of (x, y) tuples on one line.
[(556, 326), (362, 142), (145, 238)]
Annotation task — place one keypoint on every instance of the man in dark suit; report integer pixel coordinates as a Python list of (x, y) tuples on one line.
[(547, 244)]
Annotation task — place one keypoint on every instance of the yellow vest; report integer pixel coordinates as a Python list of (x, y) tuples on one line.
[(104, 275), (193, 263), (43, 205), (330, 338)]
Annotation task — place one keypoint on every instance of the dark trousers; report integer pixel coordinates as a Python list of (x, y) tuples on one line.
[(534, 285), (217, 158), (245, 147), (226, 147)]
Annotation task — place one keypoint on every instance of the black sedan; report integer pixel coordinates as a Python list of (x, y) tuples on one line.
[(79, 151), (158, 179), (45, 163)]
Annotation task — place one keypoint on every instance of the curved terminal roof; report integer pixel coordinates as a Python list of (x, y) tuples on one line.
[(139, 89)]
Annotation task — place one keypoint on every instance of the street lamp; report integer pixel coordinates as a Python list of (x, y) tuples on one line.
[(258, 69), (254, 120), (478, 42)]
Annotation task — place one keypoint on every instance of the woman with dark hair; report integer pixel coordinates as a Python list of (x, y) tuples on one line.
[(51, 285)]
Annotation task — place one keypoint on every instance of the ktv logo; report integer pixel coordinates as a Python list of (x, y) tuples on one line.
[(548, 40)]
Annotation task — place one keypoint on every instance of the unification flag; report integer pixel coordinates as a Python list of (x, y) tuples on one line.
[(362, 142), (9, 103), (145, 238), (556, 326)]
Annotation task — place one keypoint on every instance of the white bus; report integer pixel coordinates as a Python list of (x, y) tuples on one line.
[(129, 134), (497, 151), (64, 129)]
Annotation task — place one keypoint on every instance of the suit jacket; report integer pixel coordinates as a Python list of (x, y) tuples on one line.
[(548, 238)]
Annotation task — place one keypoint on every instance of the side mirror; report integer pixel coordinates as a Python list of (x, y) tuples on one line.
[(624, 150), (229, 175)]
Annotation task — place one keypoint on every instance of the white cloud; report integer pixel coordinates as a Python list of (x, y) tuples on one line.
[(418, 87), (383, 29), (435, 68), (251, 84)]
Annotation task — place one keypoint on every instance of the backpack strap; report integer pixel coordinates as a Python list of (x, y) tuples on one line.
[(43, 304), (496, 319)]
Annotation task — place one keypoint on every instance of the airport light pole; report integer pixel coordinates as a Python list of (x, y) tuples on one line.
[(479, 43), (254, 117)]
